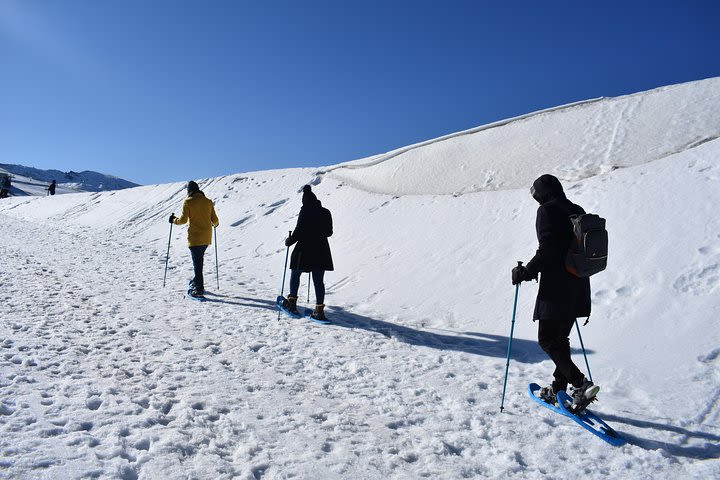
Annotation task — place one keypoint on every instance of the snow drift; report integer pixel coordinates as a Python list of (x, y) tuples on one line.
[(573, 142)]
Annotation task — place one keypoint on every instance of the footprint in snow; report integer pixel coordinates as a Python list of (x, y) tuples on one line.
[(93, 403), (710, 357), (700, 281), (274, 206)]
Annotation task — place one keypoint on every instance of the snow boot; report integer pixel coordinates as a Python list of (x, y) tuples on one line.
[(195, 293), (583, 396), (290, 304), (547, 395), (191, 285), (319, 312)]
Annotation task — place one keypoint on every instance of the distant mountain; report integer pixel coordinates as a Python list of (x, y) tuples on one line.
[(33, 181)]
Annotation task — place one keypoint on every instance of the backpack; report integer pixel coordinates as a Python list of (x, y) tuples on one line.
[(588, 251)]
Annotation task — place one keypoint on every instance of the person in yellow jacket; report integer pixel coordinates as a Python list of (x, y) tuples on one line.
[(200, 212)]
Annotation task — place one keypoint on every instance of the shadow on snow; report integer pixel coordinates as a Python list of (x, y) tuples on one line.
[(710, 449), (487, 345), (241, 301)]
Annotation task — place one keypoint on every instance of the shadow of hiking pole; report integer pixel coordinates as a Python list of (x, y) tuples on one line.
[(241, 301)]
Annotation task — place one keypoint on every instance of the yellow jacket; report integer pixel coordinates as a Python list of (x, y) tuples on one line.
[(200, 212)]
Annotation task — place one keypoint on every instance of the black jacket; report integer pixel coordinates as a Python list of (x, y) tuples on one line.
[(561, 294), (312, 251)]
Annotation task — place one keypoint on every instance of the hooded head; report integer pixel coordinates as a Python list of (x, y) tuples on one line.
[(546, 188), (308, 197), (192, 187)]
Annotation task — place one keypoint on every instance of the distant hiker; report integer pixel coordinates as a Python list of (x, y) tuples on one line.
[(200, 212), (562, 297), (312, 252), (51, 188), (5, 188)]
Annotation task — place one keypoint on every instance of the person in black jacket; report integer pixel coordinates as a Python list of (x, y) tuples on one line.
[(312, 252), (5, 188), (562, 297), (51, 188)]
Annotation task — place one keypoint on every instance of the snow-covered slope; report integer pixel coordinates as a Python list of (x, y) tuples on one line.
[(108, 374), (34, 181), (573, 142)]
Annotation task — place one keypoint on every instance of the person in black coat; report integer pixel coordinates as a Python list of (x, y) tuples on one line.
[(5, 188), (312, 252), (51, 188), (562, 297)]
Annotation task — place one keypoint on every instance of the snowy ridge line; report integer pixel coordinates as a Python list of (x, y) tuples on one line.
[(574, 141), (689, 146), (394, 153), (500, 123)]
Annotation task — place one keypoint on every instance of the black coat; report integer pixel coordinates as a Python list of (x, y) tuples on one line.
[(314, 226), (561, 294)]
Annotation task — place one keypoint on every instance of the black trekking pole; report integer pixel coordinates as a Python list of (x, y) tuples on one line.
[(512, 328), (583, 349), (282, 288), (309, 281), (167, 256), (217, 271)]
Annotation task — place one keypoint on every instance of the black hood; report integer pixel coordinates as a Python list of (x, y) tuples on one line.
[(546, 188), (308, 198)]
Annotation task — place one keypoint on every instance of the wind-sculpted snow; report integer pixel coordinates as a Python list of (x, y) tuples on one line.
[(573, 142), (106, 374)]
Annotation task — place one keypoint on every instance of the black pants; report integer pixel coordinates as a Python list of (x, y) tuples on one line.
[(553, 338), (198, 253), (318, 277)]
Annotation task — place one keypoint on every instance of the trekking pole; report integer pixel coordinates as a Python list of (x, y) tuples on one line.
[(217, 271), (512, 328), (167, 256), (282, 288), (309, 280), (583, 349)]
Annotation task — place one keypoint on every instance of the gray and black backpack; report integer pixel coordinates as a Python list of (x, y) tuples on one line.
[(589, 248)]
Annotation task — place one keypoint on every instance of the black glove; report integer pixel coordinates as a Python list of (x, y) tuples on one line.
[(520, 274), (288, 241), (172, 218)]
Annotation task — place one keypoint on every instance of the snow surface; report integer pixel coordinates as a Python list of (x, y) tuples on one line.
[(106, 374)]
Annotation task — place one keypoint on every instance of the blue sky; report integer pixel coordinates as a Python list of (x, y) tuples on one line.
[(170, 90)]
